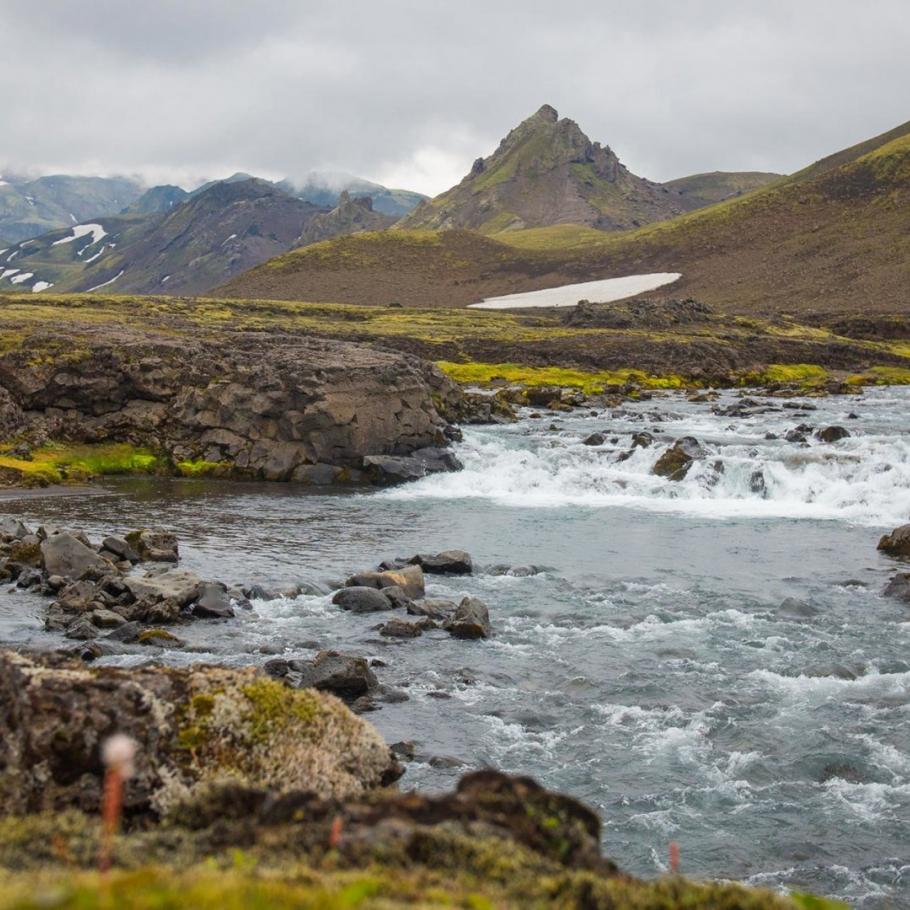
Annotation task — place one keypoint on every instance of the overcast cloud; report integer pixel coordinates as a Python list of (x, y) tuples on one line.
[(409, 93)]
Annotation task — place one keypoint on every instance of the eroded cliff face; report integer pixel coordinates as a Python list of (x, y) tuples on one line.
[(269, 407)]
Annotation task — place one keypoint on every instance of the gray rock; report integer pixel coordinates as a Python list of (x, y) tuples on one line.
[(82, 629), (899, 587), (106, 619), (345, 675), (213, 602), (595, 439), (447, 562), (154, 544), (400, 600), (399, 628), (791, 608), (66, 555), (120, 548), (177, 585), (471, 620), (362, 600), (385, 470), (433, 609), (126, 633), (12, 527)]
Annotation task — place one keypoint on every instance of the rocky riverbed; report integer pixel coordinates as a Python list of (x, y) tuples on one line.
[(685, 692)]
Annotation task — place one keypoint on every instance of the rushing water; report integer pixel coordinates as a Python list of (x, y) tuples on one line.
[(648, 665)]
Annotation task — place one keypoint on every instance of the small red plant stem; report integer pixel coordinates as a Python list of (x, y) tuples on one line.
[(111, 806), (674, 857)]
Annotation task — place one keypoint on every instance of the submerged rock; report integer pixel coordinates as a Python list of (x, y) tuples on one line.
[(899, 587)]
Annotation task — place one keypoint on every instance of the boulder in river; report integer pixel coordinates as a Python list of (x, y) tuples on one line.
[(345, 675), (595, 439), (899, 587), (832, 434), (447, 562), (676, 461), (387, 470), (66, 555), (154, 544), (897, 543), (433, 609), (400, 628), (470, 620), (362, 599), (408, 578)]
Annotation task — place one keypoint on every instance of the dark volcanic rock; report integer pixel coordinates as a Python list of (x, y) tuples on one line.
[(897, 543), (262, 406), (676, 461), (832, 434), (342, 674), (447, 562), (386, 470), (362, 600)]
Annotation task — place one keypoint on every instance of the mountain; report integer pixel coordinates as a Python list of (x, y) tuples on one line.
[(547, 171), (186, 249), (351, 215), (834, 237), (324, 188), (32, 207), (700, 190), (157, 199)]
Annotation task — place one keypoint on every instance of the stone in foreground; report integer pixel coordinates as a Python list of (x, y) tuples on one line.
[(195, 728)]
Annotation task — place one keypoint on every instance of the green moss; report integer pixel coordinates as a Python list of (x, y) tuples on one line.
[(58, 462), (802, 374), (588, 382), (202, 468), (274, 708), (881, 376)]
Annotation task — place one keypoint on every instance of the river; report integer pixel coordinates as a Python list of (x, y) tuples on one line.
[(646, 657)]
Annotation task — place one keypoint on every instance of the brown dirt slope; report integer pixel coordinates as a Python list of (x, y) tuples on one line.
[(835, 238)]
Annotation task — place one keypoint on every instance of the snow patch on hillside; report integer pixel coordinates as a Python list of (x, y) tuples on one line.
[(83, 230)]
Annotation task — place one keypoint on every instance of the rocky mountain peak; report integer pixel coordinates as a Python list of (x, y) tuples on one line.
[(548, 113)]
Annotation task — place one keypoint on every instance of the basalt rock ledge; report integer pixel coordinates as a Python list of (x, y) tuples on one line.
[(261, 406)]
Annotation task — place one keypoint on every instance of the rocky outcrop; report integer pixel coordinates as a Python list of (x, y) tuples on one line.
[(272, 408), (195, 728), (676, 461)]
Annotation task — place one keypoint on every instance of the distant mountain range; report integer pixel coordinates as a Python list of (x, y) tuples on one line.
[(29, 207), (833, 237), (167, 240)]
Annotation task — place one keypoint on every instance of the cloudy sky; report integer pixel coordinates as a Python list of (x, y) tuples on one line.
[(409, 92)]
